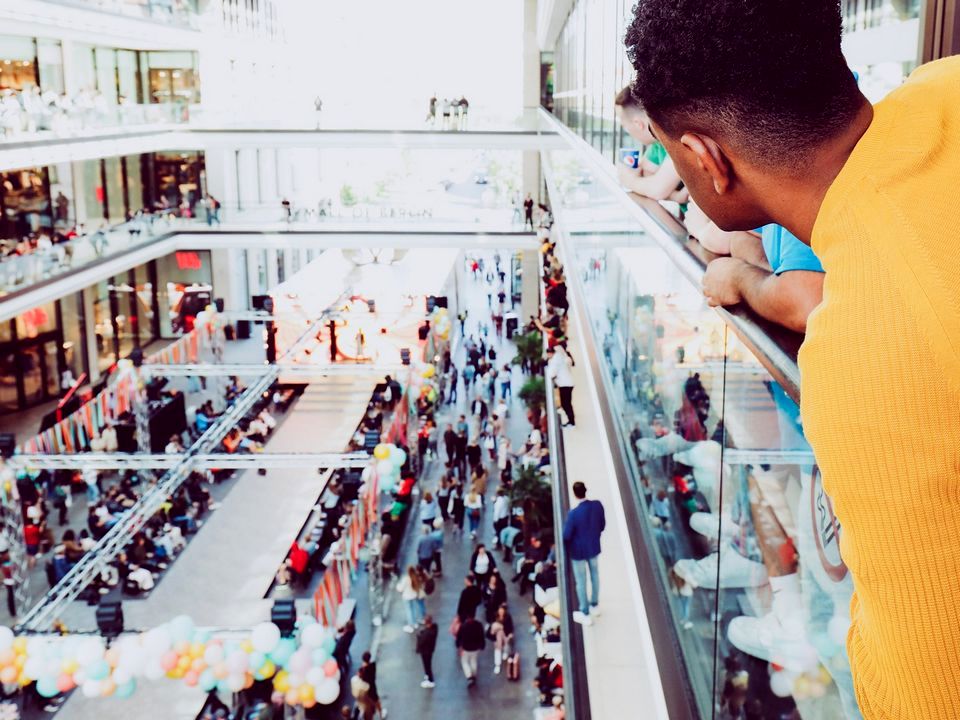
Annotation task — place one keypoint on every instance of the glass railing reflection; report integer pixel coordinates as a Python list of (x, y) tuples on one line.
[(742, 535)]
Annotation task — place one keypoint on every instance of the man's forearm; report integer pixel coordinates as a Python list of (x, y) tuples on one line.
[(776, 298)]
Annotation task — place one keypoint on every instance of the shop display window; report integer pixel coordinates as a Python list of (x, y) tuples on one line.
[(734, 516), (18, 70), (24, 202)]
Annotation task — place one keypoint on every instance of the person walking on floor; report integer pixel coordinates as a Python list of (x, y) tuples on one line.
[(471, 598), (457, 508), (426, 644), (528, 211), (482, 565), (470, 641), (473, 504), (581, 538), (368, 672), (450, 445), (437, 535), (425, 548), (413, 594), (559, 364)]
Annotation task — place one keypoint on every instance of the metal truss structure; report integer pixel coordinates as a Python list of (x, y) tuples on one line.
[(287, 369), (208, 461), (43, 615)]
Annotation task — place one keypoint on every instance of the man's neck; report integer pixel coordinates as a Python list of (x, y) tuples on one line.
[(797, 202)]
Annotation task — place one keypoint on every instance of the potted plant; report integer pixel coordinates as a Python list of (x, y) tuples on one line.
[(529, 351), (534, 395), (534, 495)]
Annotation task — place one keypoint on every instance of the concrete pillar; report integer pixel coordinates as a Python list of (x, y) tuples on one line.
[(273, 273), (529, 287), (531, 57), (93, 361), (247, 171), (221, 167), (230, 278), (268, 177), (531, 174)]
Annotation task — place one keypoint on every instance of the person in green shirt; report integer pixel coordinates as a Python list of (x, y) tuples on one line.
[(656, 177)]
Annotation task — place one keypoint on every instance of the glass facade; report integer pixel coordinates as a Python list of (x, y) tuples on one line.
[(739, 529)]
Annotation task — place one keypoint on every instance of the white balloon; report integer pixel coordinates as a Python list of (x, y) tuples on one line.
[(327, 691), (33, 668), (122, 675), (213, 654), (153, 671), (80, 676), (133, 658), (315, 676), (157, 641), (6, 637), (265, 637), (312, 636), (236, 682), (237, 662), (781, 683), (90, 651), (92, 688)]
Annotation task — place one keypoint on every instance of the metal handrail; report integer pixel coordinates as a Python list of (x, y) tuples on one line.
[(576, 688), (773, 346)]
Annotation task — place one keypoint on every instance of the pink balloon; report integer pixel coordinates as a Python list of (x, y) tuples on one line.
[(330, 668), (169, 660), (191, 678), (65, 683), (277, 697)]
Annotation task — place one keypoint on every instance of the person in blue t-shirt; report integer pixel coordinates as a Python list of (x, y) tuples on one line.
[(772, 271)]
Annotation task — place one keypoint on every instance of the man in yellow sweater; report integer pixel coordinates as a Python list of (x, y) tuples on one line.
[(755, 104)]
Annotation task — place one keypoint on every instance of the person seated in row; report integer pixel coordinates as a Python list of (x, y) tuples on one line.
[(237, 441), (205, 417), (770, 270), (656, 176)]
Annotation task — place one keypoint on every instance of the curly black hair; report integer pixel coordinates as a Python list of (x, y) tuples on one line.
[(768, 74)]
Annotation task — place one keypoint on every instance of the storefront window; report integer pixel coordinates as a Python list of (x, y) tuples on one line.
[(83, 68), (18, 70), (25, 203), (134, 177), (179, 177), (36, 321), (103, 325), (128, 77), (74, 333), (146, 300), (61, 192), (185, 289), (50, 64), (106, 59), (90, 205), (116, 197), (173, 77)]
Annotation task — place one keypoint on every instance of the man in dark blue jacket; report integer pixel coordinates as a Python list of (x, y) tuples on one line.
[(581, 538)]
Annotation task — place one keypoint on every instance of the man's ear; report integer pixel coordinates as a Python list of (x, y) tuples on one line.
[(710, 159)]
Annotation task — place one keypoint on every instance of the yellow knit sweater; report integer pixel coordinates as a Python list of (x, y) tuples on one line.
[(881, 394)]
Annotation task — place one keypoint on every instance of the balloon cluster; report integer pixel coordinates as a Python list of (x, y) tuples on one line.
[(302, 668), (390, 460), (440, 322), (815, 680), (422, 381)]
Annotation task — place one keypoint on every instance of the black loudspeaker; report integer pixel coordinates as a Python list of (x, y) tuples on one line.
[(243, 329), (423, 332), (8, 443), (262, 302), (136, 357), (405, 356), (271, 343), (513, 322), (218, 303), (110, 618), (441, 301), (370, 440), (283, 614)]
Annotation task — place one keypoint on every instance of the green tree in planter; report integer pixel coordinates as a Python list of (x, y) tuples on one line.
[(534, 495), (534, 395), (529, 351), (347, 197)]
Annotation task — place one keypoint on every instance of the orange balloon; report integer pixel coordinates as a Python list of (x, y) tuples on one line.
[(292, 697), (8, 675), (7, 657)]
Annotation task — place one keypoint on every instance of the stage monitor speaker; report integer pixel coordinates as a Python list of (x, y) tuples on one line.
[(110, 618), (441, 301), (405, 356), (262, 302), (8, 443), (219, 304), (283, 614)]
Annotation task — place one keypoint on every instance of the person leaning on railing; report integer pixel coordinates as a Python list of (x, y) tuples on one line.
[(765, 124)]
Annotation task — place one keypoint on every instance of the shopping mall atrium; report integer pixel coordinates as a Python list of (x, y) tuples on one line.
[(515, 359)]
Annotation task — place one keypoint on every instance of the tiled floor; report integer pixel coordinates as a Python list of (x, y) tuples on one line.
[(399, 668)]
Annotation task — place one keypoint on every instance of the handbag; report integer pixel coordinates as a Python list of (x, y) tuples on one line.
[(455, 625)]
